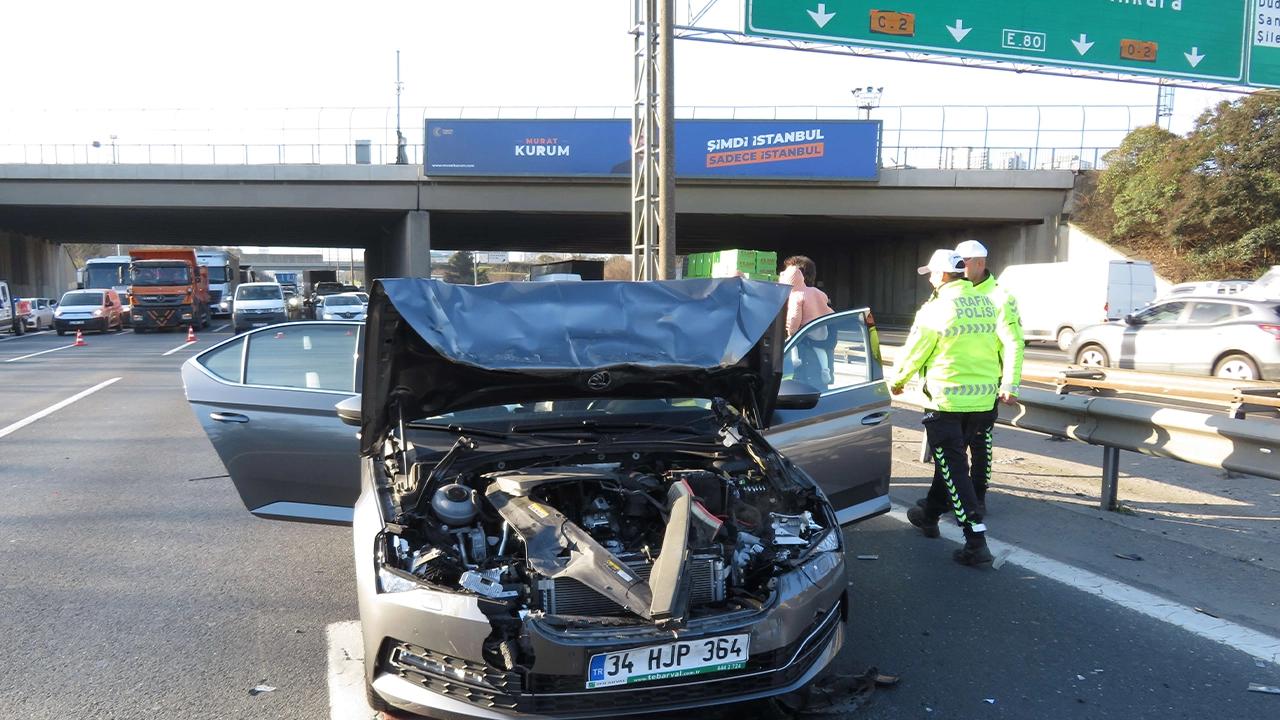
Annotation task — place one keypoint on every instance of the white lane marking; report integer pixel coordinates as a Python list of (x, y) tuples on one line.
[(221, 327), (29, 333), (1251, 642), (42, 352), (183, 345), (346, 672), (55, 407)]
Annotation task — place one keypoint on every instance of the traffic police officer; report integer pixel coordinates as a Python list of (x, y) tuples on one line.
[(953, 346), (1009, 332)]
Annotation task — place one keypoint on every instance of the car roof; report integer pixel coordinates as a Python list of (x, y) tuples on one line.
[(258, 284)]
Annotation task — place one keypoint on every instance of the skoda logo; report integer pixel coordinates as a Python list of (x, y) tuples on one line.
[(599, 381)]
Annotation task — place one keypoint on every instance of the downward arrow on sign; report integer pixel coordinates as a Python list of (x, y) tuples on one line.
[(1194, 57), (1082, 45), (958, 31), (822, 17)]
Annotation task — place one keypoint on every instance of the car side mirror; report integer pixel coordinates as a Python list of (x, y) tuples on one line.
[(1132, 319), (795, 395), (349, 411)]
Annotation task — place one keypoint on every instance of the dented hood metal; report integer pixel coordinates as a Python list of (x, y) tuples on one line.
[(432, 347)]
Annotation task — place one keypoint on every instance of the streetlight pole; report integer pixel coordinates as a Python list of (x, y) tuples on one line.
[(868, 99)]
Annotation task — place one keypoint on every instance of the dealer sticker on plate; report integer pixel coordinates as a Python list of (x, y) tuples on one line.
[(673, 660)]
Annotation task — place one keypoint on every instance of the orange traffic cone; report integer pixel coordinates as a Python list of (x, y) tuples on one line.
[(79, 339), (191, 334)]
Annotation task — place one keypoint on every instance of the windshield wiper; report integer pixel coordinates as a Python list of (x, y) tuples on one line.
[(461, 430)]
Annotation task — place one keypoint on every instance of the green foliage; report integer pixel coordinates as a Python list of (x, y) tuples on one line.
[(1203, 206), (461, 269)]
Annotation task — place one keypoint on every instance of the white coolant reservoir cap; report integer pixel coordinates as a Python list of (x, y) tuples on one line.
[(455, 504)]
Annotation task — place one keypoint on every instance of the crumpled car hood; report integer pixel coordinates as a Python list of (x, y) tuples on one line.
[(432, 347)]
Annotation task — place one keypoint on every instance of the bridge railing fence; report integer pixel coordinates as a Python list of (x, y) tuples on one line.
[(1013, 137)]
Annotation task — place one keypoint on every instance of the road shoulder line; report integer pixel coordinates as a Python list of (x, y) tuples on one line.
[(55, 407), (1251, 642)]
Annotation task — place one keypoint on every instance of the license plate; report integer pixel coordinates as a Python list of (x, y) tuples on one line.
[(258, 324), (672, 660), (76, 322)]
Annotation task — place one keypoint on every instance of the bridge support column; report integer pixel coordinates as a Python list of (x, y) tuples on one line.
[(409, 249)]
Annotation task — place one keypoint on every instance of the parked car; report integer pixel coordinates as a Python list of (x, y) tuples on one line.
[(1232, 337), (41, 316), (1207, 287), (258, 304), (346, 306), (89, 310), (1057, 300), (13, 312), (587, 514)]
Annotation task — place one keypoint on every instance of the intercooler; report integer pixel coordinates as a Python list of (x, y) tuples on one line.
[(566, 596)]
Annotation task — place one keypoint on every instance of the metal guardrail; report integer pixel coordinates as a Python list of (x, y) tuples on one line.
[(1238, 397), (1115, 424)]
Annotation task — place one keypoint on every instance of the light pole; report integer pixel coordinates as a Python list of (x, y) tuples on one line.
[(401, 157), (868, 98), (114, 157)]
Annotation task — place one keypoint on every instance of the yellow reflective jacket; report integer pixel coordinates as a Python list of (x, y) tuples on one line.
[(1008, 330), (954, 347)]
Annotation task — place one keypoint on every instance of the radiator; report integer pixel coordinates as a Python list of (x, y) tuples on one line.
[(566, 596)]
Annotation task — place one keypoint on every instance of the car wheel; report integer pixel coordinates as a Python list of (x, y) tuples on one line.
[(61, 332), (1065, 336), (1093, 356), (1237, 367)]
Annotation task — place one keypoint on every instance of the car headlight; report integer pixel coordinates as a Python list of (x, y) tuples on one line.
[(57, 313), (389, 582), (829, 542), (97, 313)]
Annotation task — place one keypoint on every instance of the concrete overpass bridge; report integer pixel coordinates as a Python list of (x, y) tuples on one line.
[(866, 237)]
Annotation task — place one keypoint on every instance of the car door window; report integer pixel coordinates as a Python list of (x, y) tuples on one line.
[(1207, 313), (1166, 314), (830, 353), (305, 356), (225, 361)]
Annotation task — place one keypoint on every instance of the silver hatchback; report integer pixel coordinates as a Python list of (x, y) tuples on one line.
[(1231, 337)]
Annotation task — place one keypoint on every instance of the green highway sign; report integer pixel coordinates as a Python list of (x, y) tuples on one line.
[(1189, 39), (1264, 44)]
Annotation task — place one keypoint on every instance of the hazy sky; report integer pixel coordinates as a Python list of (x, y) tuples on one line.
[(62, 55)]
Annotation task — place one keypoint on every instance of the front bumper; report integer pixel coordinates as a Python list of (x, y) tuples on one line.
[(162, 316), (246, 320), (73, 324)]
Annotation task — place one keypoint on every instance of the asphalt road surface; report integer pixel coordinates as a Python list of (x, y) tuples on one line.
[(135, 585)]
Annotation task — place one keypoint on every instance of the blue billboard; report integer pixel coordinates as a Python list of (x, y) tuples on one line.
[(744, 149)]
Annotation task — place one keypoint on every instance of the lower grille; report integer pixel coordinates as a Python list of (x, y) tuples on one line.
[(465, 680), (566, 596)]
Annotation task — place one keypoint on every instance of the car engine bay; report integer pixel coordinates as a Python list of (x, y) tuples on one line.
[(583, 540)]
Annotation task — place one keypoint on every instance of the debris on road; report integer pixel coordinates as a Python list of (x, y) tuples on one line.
[(989, 701), (840, 695), (1202, 611), (1260, 688), (260, 689), (868, 557), (1129, 556)]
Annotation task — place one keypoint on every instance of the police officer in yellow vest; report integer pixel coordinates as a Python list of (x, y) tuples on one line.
[(954, 348), (1009, 331)]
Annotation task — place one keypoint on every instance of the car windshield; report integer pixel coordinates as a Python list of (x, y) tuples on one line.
[(73, 299), (218, 273), (161, 275), (341, 300), (107, 275), (258, 292)]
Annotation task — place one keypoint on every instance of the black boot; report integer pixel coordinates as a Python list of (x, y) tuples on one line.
[(974, 553), (920, 519)]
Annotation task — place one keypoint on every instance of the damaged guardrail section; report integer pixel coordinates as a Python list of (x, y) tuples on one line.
[(1202, 438)]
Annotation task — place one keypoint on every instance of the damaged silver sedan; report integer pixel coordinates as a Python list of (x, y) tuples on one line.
[(569, 499)]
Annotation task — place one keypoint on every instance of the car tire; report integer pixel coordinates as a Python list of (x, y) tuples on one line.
[(1065, 336), (376, 703), (1237, 366), (1093, 355), (61, 332)]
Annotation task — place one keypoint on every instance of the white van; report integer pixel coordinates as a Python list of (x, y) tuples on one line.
[(257, 304), (1057, 300), (1266, 287)]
